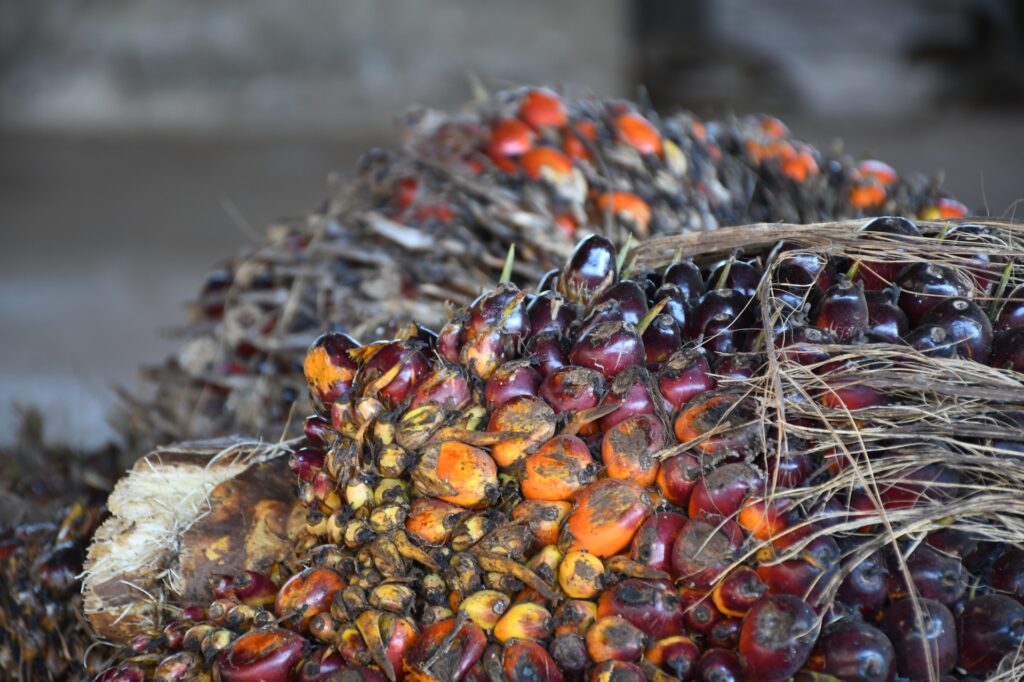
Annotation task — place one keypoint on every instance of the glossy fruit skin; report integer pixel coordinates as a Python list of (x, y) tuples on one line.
[(932, 340), (630, 296), (455, 660), (866, 586), (590, 268), (306, 594), (990, 627), (613, 638), (606, 516), (910, 642), (853, 650), (936, 576), (558, 469), (967, 325), (677, 477), (743, 276), (264, 655), (720, 665), (652, 606), (723, 490), (925, 285), (677, 655), (683, 376), (608, 347), (686, 276), (1006, 573), (1011, 313), (569, 651), (879, 274), (885, 318), (510, 380), (777, 636), (652, 544), (844, 310), (1008, 350)]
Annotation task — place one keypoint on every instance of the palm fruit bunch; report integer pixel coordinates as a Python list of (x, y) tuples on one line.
[(771, 453), (429, 225)]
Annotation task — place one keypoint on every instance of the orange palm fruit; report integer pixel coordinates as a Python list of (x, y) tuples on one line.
[(457, 473), (606, 516), (542, 108), (724, 420), (613, 638), (764, 519), (575, 138), (867, 196), (543, 518), (628, 207), (633, 129), (528, 421), (432, 520), (558, 470), (628, 449), (306, 594), (546, 163)]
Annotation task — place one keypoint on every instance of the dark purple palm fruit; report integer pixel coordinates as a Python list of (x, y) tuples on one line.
[(649, 281), (451, 337), (549, 312), (1008, 350), (878, 275), (329, 368), (497, 324), (885, 319), (630, 296), (394, 370), (1011, 312), (548, 352), (991, 628), (605, 311), (843, 310), (803, 345), (852, 650), (631, 391), (936, 576), (661, 339), (573, 389), (921, 652), (720, 335), (1006, 573), (608, 347), (742, 276), (728, 306), (922, 286), (932, 340), (676, 306), (984, 267), (738, 365), (966, 324), (686, 277), (514, 378), (777, 637), (720, 665), (446, 386), (865, 588), (589, 270), (684, 375), (548, 281)]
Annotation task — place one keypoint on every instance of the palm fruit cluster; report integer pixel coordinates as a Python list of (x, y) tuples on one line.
[(714, 470), (430, 224), (41, 633)]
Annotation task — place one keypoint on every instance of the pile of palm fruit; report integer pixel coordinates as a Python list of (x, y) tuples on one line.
[(424, 229), (779, 452)]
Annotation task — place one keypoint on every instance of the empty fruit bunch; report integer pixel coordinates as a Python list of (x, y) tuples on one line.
[(772, 452)]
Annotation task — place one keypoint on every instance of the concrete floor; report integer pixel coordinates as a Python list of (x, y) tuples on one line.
[(103, 238)]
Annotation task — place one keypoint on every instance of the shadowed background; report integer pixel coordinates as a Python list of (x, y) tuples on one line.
[(142, 141)]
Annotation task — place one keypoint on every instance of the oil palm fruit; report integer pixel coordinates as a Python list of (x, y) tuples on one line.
[(598, 526)]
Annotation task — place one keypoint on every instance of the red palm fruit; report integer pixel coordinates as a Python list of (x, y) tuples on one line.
[(805, 575), (652, 544), (661, 339), (676, 654), (630, 296), (547, 350), (254, 589), (636, 131), (723, 304), (525, 415), (1011, 311), (844, 392), (880, 274), (726, 415), (931, 340), (865, 587), (306, 462), (703, 551), (320, 665), (867, 195), (936, 576), (512, 379), (777, 636), (628, 449), (922, 286), (1006, 573), (432, 520), (605, 311), (546, 163), (125, 672), (631, 391), (676, 478), (843, 310), (318, 430), (526, 660), (802, 345), (306, 594), (684, 375), (608, 347), (542, 108), (742, 276), (590, 269), (446, 386), (720, 665), (687, 278), (439, 655), (328, 368), (544, 519), (885, 319), (921, 652), (605, 517), (789, 470), (851, 650), (910, 486), (574, 616), (721, 335), (653, 606), (572, 389), (394, 370), (1008, 350), (735, 594), (613, 638), (501, 308), (991, 628), (557, 470), (967, 325), (723, 490), (263, 655), (451, 338), (617, 671), (725, 633), (509, 138), (699, 612), (953, 542), (549, 312)]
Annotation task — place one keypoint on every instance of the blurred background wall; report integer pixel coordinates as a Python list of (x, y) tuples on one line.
[(143, 140)]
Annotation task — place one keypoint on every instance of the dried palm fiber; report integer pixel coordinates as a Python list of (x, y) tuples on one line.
[(908, 451), (430, 224)]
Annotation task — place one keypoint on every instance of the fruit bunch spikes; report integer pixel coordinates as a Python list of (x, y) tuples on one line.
[(745, 465)]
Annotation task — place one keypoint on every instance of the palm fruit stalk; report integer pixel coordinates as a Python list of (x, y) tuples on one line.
[(430, 224), (772, 485)]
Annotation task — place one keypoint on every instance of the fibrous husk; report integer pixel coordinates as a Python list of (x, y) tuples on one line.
[(182, 516)]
